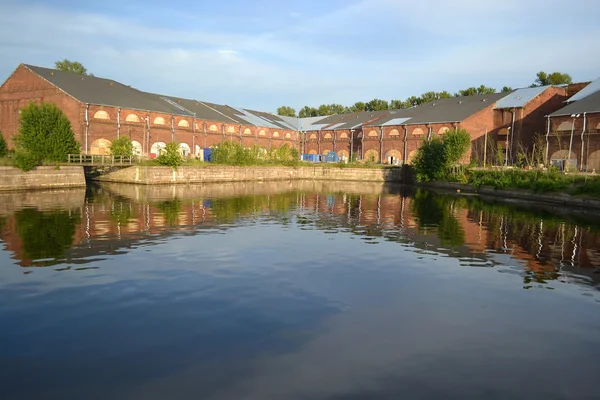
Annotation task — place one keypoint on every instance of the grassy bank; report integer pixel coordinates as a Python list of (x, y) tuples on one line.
[(539, 181)]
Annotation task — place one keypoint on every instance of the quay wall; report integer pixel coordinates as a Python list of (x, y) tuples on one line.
[(41, 178)]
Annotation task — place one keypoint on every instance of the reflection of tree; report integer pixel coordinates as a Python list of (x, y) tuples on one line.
[(229, 209), (436, 210), (171, 210), (121, 211), (46, 234)]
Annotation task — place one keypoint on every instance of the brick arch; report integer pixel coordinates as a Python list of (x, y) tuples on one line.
[(313, 136), (157, 148), (327, 136), (313, 151), (159, 121), (443, 129), (396, 154), (183, 124), (343, 153), (593, 162), (394, 132), (262, 133), (503, 132), (137, 148), (373, 134), (100, 147), (101, 114), (132, 118), (275, 134), (230, 129), (418, 131), (247, 131), (371, 155), (563, 155), (213, 128), (411, 156), (288, 135), (343, 135), (565, 126), (598, 126), (185, 150)]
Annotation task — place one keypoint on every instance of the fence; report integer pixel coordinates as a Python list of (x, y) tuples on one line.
[(89, 159)]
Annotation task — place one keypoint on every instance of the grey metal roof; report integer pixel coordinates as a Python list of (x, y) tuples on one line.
[(306, 122), (326, 121), (100, 91), (520, 97), (395, 121), (226, 111), (358, 119), (591, 88), (273, 119), (253, 119), (588, 104), (199, 109)]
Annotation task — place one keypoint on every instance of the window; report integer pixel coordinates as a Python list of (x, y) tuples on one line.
[(132, 118), (565, 126), (230, 129), (183, 124), (213, 128), (101, 115), (327, 136), (159, 121), (343, 135), (394, 132), (247, 131), (275, 134), (373, 134), (288, 135), (262, 133), (503, 132), (312, 136), (443, 130), (418, 131)]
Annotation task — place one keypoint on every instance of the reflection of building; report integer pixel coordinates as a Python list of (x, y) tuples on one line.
[(453, 225)]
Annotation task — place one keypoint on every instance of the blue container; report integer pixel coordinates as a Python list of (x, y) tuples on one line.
[(207, 155)]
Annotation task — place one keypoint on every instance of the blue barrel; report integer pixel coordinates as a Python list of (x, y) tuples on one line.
[(207, 155)]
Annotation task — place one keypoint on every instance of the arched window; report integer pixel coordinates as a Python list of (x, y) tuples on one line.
[(312, 136), (503, 132), (327, 136), (137, 148), (343, 135), (159, 121), (184, 150), (100, 147), (373, 133), (197, 126), (443, 130), (247, 131), (418, 131), (275, 134), (231, 129), (262, 133), (213, 128), (101, 115), (132, 118), (394, 132), (565, 126), (288, 135), (183, 124)]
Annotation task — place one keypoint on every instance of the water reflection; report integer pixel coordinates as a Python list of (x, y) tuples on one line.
[(111, 218)]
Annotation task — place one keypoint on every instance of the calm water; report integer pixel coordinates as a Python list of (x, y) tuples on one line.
[(295, 291)]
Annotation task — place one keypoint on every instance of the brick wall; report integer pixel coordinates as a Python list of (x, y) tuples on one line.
[(41, 178)]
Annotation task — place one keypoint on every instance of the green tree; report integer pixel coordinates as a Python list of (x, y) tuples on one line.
[(412, 101), (456, 144), (286, 111), (307, 111), (171, 157), (377, 105), (430, 160), (507, 89), (554, 78), (358, 107), (325, 109), (472, 91), (444, 94), (122, 146), (338, 109), (3, 146), (428, 97), (71, 66), (45, 132), (396, 104)]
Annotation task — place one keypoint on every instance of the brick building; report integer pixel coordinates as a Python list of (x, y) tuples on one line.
[(101, 110)]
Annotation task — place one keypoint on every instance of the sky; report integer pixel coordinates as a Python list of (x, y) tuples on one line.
[(261, 54)]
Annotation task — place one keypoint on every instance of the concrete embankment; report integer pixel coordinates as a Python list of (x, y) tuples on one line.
[(561, 199), (41, 178), (207, 174)]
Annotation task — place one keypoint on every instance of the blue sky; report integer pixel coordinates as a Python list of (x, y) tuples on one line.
[(261, 54)]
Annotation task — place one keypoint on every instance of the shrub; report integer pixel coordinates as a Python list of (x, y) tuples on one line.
[(430, 161), (456, 144), (122, 146), (232, 153), (170, 157), (46, 133), (3, 146), (26, 160)]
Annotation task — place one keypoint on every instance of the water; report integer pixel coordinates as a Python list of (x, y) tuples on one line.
[(295, 290)]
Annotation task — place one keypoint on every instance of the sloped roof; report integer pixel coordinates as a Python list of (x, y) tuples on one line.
[(100, 91), (356, 120), (588, 104), (520, 97), (592, 88), (201, 110), (272, 119), (326, 121)]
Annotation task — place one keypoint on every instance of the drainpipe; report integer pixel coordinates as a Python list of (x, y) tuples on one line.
[(222, 133), (582, 133), (405, 146), (512, 133), (148, 147), (194, 137), (118, 122), (204, 126), (172, 128), (572, 131), (547, 142), (334, 141), (319, 143), (381, 145), (241, 135), (87, 126), (351, 144), (362, 144)]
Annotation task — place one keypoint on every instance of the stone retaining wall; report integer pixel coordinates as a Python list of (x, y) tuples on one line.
[(206, 174), (41, 178)]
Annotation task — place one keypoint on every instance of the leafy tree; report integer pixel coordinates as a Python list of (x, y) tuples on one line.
[(71, 66), (45, 132), (428, 97), (456, 144), (436, 157), (412, 101), (286, 111), (325, 109), (507, 89), (377, 105), (3, 146), (472, 91), (554, 78), (26, 160), (338, 109), (444, 94), (122, 146), (171, 157), (307, 111), (358, 107), (396, 104), (171, 210)]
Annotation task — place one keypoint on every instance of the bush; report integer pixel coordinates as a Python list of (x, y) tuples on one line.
[(170, 157), (3, 146), (232, 153), (122, 146), (26, 160), (436, 158), (45, 133)]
